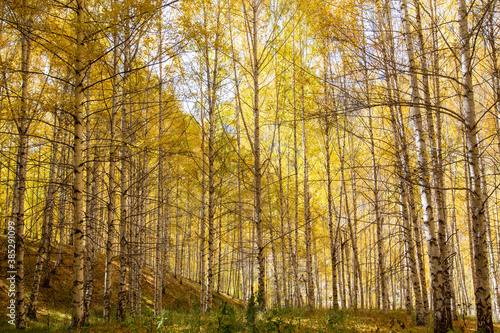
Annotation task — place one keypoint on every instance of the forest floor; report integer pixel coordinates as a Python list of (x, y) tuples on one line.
[(182, 311)]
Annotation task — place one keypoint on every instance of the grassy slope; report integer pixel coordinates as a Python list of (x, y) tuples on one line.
[(55, 303)]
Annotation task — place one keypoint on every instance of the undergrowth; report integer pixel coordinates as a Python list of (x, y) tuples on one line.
[(227, 318)]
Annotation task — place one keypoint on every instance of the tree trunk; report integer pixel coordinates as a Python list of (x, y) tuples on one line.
[(441, 324), (333, 234), (110, 232), (158, 302), (48, 218), (437, 173), (295, 252), (404, 175), (239, 170), (90, 214), (255, 61), (273, 247), (7, 217), (21, 169), (307, 214), (124, 187), (282, 219), (482, 291), (203, 296), (78, 226), (91, 219)]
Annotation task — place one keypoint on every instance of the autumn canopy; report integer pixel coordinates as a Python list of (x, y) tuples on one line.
[(289, 154)]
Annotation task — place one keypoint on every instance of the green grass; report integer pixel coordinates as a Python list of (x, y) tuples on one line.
[(229, 318)]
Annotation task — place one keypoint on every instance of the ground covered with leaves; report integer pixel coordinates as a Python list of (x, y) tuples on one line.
[(229, 318)]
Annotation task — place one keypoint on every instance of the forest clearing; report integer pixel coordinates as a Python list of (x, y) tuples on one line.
[(250, 165)]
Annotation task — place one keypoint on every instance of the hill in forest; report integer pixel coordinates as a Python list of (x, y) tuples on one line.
[(55, 302)]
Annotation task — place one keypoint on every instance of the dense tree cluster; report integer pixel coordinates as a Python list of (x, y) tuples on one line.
[(305, 153)]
